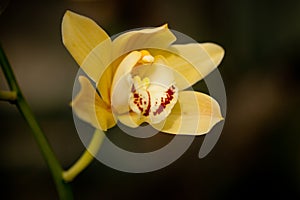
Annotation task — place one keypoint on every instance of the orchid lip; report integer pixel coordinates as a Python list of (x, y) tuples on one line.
[(151, 101)]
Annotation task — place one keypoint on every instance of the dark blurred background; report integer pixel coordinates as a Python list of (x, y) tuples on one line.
[(258, 153)]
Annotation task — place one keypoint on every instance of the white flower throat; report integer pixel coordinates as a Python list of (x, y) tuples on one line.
[(153, 91)]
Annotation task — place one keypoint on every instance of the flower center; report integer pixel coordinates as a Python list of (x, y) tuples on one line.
[(151, 97), (146, 57)]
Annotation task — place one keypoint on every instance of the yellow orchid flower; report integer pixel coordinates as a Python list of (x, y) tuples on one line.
[(147, 80)]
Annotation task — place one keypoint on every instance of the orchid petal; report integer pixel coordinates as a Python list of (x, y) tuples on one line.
[(130, 119), (105, 83), (121, 85), (89, 107), (160, 37), (192, 62), (80, 36), (194, 114)]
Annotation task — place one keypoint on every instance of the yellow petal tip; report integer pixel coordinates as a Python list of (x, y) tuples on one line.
[(69, 13), (215, 51), (166, 26)]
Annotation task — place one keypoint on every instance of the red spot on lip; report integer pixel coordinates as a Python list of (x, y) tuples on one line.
[(159, 110), (133, 89), (135, 95), (147, 111), (165, 101), (138, 101)]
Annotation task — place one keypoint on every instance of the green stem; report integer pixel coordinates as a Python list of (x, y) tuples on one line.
[(86, 157), (64, 190), (10, 96)]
